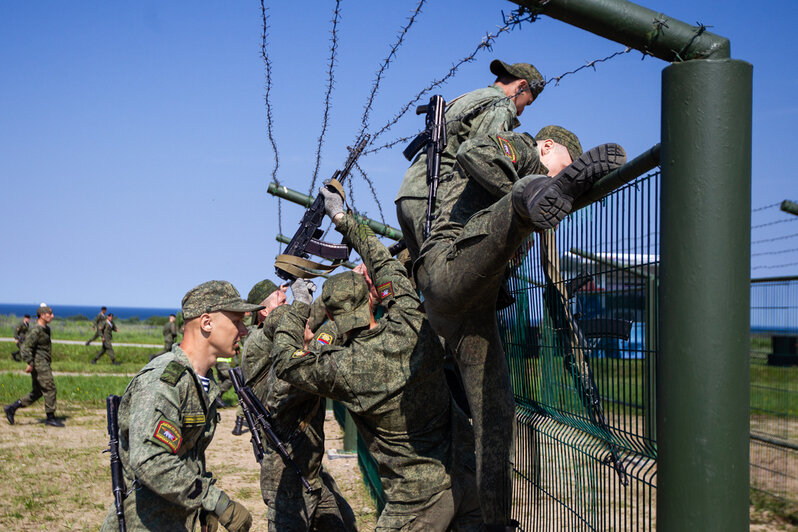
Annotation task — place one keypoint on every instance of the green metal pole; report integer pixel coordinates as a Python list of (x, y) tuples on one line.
[(306, 201), (703, 369), (789, 207), (635, 26)]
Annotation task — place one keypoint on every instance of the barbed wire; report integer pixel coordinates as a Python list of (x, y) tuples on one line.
[(516, 18), (330, 83), (774, 266), (269, 117), (370, 183), (774, 239), (766, 207), (589, 64), (775, 223), (781, 251)]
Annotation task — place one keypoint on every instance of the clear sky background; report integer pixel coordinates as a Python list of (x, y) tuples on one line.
[(134, 159)]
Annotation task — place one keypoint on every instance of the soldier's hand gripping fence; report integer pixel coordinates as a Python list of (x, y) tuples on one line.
[(117, 480), (574, 347), (293, 262), (257, 417)]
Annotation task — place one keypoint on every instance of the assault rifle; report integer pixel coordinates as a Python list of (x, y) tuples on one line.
[(117, 479), (575, 349), (257, 417), (305, 242)]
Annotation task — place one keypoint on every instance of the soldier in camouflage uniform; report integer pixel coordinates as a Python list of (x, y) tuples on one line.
[(167, 419), (37, 352), (489, 110), (107, 329), (484, 213), (169, 332), (97, 324), (19, 336), (390, 377), (299, 421)]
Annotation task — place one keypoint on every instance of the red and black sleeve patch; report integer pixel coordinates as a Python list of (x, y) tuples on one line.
[(168, 434), (508, 148), (385, 290)]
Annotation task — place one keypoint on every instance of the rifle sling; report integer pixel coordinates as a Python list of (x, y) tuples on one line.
[(302, 268)]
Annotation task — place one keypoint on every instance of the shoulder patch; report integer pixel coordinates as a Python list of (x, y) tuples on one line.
[(325, 339), (385, 289), (167, 433), (507, 148), (299, 353), (172, 372)]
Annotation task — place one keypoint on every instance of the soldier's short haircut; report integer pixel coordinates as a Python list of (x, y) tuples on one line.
[(26, 316), (111, 314), (103, 308), (172, 315)]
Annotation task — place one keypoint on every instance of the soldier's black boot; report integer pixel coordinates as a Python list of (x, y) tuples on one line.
[(52, 421), (549, 200), (512, 527), (15, 355), (11, 409), (238, 430)]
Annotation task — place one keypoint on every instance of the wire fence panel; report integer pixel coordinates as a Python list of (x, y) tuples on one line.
[(581, 340), (774, 387)]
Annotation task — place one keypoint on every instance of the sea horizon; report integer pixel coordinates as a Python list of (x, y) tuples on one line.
[(89, 311)]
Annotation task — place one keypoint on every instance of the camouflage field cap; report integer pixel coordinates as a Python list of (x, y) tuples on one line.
[(560, 135), (214, 296), (346, 297), (43, 309), (261, 291), (521, 71)]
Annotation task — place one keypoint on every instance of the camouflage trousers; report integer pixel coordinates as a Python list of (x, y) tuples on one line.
[(460, 279), (43, 385), (412, 214), (106, 348), (291, 509), (455, 509), (96, 335)]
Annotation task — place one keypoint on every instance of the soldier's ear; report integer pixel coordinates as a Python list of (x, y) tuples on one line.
[(206, 322)]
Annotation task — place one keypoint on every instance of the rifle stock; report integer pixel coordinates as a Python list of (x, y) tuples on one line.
[(436, 143), (117, 479)]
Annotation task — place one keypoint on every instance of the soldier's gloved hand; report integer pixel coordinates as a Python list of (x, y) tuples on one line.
[(333, 202), (208, 522), (234, 516), (302, 291)]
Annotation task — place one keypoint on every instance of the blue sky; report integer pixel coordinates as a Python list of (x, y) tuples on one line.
[(133, 152)]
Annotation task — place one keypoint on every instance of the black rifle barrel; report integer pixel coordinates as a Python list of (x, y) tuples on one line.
[(238, 386), (117, 479), (436, 129)]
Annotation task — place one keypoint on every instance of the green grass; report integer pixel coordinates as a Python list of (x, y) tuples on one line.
[(86, 391), (130, 331), (76, 358)]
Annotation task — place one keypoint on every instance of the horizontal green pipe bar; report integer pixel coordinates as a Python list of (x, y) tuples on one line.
[(775, 279), (285, 240), (789, 207), (774, 441), (306, 201), (636, 26), (619, 177)]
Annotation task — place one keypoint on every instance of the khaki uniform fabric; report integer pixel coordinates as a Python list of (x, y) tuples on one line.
[(169, 332), (96, 324), (20, 332), (299, 421), (411, 202), (460, 272), (391, 380), (36, 350), (107, 330), (166, 421)]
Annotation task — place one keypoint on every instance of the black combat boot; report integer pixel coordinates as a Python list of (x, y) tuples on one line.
[(51, 421), (116, 363), (239, 429), (16, 356), (11, 409), (549, 200), (512, 527)]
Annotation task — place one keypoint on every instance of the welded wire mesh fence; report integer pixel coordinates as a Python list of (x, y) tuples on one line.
[(582, 346), (774, 387)]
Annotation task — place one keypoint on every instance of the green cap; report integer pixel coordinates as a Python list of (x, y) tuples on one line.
[(261, 291), (520, 71), (560, 135), (43, 309), (346, 297), (274, 318), (214, 296)]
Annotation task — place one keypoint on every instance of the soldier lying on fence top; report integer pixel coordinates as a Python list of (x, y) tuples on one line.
[(167, 418), (389, 375)]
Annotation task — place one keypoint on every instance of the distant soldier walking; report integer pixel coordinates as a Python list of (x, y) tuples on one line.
[(107, 330), (19, 336), (97, 324), (169, 332), (37, 352)]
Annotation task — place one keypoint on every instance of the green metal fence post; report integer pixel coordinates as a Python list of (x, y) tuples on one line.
[(703, 368), (650, 348), (350, 434)]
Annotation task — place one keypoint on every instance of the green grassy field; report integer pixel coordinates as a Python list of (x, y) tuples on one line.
[(130, 331)]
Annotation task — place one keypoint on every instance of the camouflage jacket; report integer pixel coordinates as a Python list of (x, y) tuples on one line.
[(21, 331), (499, 115), (36, 350), (486, 169), (298, 415), (169, 331), (390, 378), (166, 422), (107, 329), (98, 321)]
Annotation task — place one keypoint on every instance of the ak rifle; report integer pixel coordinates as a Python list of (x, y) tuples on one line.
[(117, 480), (306, 241)]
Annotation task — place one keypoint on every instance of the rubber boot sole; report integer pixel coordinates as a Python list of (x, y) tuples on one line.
[(549, 205)]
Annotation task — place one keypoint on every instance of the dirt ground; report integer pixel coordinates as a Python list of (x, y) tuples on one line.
[(59, 479)]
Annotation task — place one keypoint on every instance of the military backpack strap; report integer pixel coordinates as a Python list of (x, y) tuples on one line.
[(172, 372)]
